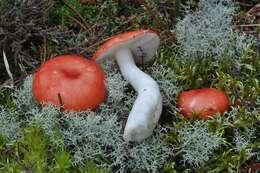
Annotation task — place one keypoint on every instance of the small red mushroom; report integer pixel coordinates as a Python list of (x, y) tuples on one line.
[(79, 82), (202, 103)]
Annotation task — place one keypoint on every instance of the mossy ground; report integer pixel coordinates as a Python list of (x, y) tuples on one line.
[(33, 139)]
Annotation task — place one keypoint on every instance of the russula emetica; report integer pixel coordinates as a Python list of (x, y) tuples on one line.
[(203, 103), (129, 49), (79, 82)]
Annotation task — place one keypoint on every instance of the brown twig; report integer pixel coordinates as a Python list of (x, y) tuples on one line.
[(245, 4), (154, 14), (77, 21), (10, 153), (60, 102), (44, 49), (93, 45), (88, 2), (158, 20), (77, 13)]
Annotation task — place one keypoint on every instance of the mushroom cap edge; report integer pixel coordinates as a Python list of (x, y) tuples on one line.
[(142, 43)]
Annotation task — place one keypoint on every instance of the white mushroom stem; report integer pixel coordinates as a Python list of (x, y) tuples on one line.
[(147, 107)]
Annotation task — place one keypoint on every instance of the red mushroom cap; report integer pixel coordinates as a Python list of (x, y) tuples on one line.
[(203, 103), (79, 82), (142, 43)]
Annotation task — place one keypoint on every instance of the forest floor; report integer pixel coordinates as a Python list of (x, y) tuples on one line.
[(203, 44)]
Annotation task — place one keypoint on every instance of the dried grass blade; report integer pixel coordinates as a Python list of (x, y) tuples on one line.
[(7, 67)]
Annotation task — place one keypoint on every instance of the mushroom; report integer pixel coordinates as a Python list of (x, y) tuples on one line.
[(77, 82), (203, 103), (129, 49)]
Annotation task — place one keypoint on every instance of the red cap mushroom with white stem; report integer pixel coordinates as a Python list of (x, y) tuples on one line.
[(79, 82), (129, 49)]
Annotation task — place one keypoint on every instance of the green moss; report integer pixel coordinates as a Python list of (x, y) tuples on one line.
[(6, 98), (62, 13)]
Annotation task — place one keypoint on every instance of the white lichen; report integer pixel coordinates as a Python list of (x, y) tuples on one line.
[(93, 136), (116, 85), (166, 79), (119, 99), (23, 97), (48, 119), (208, 31), (150, 155), (9, 126), (197, 143), (242, 140)]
